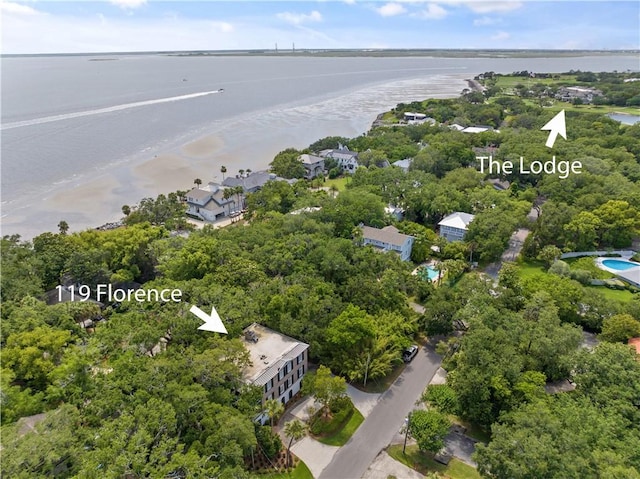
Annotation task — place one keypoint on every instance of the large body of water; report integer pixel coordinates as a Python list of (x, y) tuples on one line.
[(82, 135)]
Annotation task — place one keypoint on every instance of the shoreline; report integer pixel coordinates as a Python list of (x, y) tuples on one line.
[(249, 141)]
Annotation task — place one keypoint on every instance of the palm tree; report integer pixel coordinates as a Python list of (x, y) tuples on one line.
[(334, 190), (274, 408), (248, 171), (295, 430), (126, 210), (241, 171), (197, 182), (223, 170), (226, 194), (63, 226), (239, 190)]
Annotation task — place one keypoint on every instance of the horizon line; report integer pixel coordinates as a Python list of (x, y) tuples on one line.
[(326, 50)]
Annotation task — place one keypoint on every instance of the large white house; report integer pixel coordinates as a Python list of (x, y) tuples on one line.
[(209, 204), (278, 364), (388, 239), (454, 227), (347, 160)]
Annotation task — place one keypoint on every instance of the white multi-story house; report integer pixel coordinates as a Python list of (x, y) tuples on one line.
[(454, 227), (278, 364), (209, 204), (388, 239), (347, 160)]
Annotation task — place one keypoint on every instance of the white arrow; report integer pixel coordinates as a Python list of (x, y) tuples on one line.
[(212, 322), (556, 126)]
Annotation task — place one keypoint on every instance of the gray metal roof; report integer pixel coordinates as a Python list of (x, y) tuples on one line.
[(388, 234), (273, 368)]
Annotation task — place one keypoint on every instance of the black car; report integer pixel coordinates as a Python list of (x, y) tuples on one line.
[(409, 353)]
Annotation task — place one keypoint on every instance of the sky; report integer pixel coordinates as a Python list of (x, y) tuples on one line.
[(45, 26)]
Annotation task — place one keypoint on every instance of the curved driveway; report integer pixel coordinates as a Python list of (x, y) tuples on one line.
[(386, 418)]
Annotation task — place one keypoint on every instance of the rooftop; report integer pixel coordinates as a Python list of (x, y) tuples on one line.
[(199, 194), (269, 353), (388, 234), (309, 159), (406, 163), (256, 179), (635, 342), (339, 154), (457, 220)]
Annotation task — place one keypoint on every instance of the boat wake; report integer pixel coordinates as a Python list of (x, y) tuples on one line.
[(100, 111)]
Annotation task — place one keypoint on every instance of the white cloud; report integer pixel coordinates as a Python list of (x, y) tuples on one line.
[(300, 18), (128, 4), (501, 36), (499, 6), (391, 9), (350, 2), (433, 12), (487, 6), (17, 9), (486, 21)]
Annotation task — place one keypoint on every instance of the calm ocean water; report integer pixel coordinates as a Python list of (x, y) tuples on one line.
[(68, 118)]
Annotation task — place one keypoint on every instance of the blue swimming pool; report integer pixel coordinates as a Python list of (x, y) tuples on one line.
[(429, 273), (619, 265), (433, 274)]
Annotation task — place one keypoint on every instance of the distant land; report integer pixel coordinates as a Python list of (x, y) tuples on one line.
[(289, 51)]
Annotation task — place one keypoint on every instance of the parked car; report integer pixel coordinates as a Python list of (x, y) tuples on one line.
[(409, 353)]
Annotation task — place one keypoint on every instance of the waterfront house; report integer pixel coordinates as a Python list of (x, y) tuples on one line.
[(313, 165), (278, 364), (252, 182), (388, 239), (347, 160), (454, 227), (571, 93), (209, 203)]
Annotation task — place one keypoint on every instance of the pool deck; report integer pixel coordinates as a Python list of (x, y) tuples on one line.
[(631, 275)]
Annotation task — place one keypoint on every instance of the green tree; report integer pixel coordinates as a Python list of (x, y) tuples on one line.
[(63, 226), (294, 430), (442, 397), (197, 182), (620, 328), (223, 170), (429, 428), (287, 165), (549, 254), (325, 387), (274, 409), (33, 355)]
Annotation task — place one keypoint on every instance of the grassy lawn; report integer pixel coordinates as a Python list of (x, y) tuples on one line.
[(341, 437), (340, 183), (424, 463), (301, 471), (529, 269), (382, 384), (614, 294), (511, 82)]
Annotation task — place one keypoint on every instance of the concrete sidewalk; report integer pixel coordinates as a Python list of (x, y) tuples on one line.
[(364, 402)]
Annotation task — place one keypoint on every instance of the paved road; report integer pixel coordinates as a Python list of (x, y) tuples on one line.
[(511, 253), (376, 432)]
